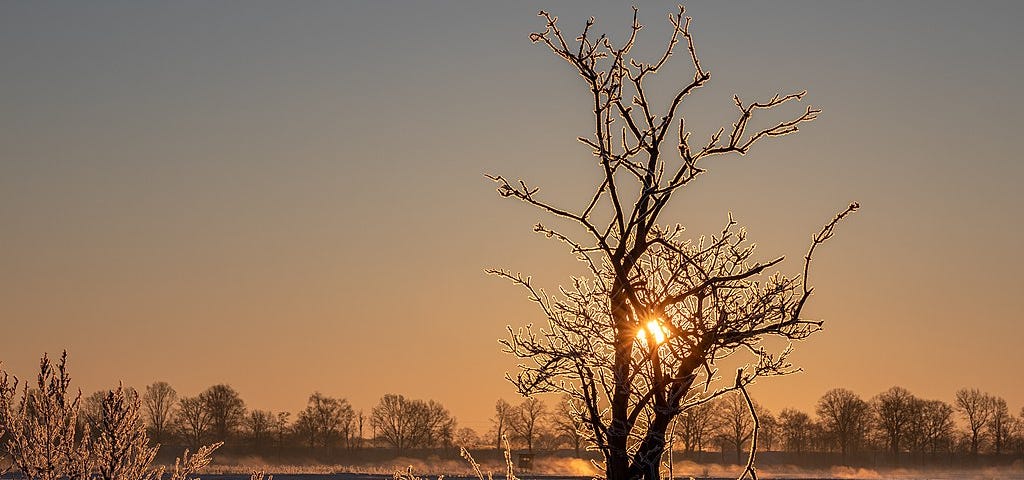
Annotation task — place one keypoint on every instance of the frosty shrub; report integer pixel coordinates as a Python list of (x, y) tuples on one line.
[(43, 442), (41, 424), (188, 464), (121, 449)]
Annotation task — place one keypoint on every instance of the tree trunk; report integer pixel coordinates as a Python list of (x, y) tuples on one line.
[(618, 434), (647, 459)]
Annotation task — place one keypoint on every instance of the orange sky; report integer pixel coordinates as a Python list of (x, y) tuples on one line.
[(291, 198)]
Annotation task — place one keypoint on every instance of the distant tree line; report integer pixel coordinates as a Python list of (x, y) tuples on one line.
[(331, 425), (894, 423), (327, 424), (894, 426)]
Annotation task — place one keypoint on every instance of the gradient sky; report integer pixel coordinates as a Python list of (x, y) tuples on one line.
[(289, 196)]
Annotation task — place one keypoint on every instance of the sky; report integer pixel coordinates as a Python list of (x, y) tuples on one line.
[(290, 197)]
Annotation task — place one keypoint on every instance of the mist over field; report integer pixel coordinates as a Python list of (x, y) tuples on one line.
[(557, 469)]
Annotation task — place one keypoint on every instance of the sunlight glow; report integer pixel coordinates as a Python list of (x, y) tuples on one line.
[(656, 330)]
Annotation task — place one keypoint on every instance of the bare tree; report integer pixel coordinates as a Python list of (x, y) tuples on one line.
[(999, 424), (280, 428), (696, 425), (328, 418), (192, 421), (735, 424), (436, 425), (303, 428), (568, 423), (502, 414), (770, 430), (1015, 438), (259, 424), (349, 428), (360, 419), (527, 421), (405, 424), (796, 426), (976, 407), (934, 425), (467, 438), (225, 408), (915, 439), (91, 409), (894, 409), (547, 440), (659, 311), (818, 439), (846, 416), (158, 402)]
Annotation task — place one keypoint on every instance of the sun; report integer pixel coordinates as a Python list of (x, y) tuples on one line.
[(655, 328)]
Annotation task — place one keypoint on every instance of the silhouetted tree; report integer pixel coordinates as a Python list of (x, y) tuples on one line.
[(545, 440), (92, 406), (225, 408), (818, 439), (192, 421), (91, 409), (568, 423), (348, 428), (894, 409), (328, 418), (360, 419), (846, 416), (769, 432), (527, 420), (914, 438), (1015, 436), (976, 408), (403, 423), (933, 426), (502, 415), (467, 438), (999, 424), (696, 425), (437, 425), (658, 311), (281, 428), (795, 426), (158, 403), (303, 428), (259, 425), (735, 425)]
